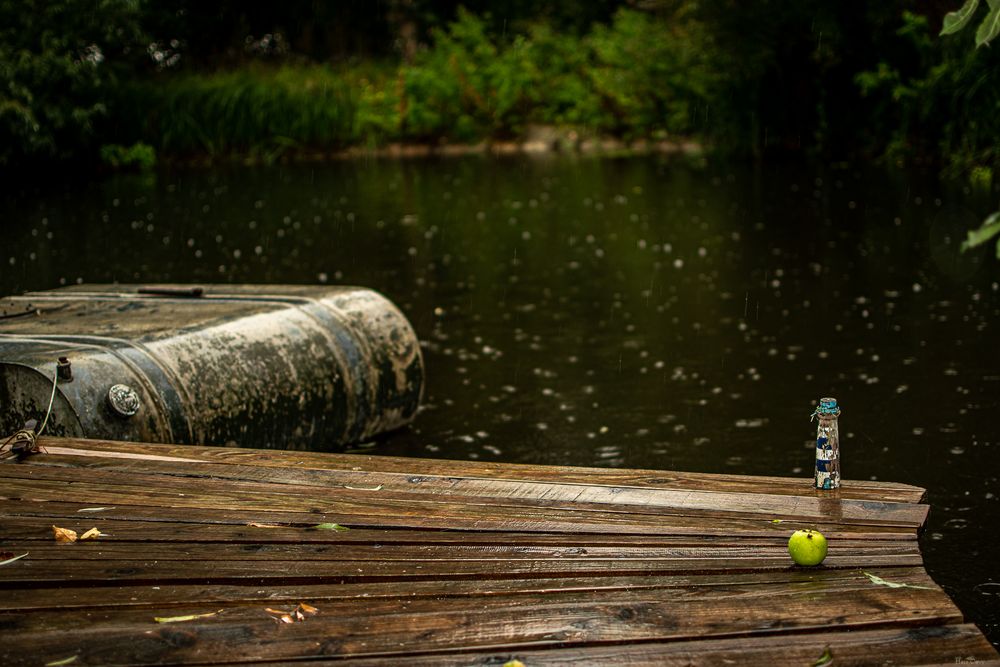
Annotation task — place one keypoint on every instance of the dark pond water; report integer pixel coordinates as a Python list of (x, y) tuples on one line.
[(629, 313)]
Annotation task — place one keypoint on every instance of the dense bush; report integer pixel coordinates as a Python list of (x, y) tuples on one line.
[(471, 84), (940, 97), (649, 75), (58, 61), (137, 157)]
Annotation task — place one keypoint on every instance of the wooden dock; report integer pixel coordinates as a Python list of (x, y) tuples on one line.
[(230, 556)]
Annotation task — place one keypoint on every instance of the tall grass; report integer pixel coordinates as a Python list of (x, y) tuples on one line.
[(259, 111)]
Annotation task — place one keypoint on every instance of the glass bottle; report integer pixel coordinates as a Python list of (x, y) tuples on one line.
[(827, 444)]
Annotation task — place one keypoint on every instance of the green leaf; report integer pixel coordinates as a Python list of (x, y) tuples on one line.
[(879, 581), (181, 619), (330, 526), (11, 560), (824, 659), (989, 28), (955, 21), (64, 661), (986, 231)]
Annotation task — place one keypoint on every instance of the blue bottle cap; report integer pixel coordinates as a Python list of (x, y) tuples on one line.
[(827, 406)]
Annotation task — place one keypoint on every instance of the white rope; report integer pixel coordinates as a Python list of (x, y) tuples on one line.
[(52, 397)]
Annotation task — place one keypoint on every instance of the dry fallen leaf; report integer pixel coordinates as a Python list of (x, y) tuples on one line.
[(254, 524), (181, 619), (279, 615), (296, 615), (91, 534), (64, 535)]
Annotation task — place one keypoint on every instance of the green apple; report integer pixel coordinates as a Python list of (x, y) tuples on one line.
[(807, 547)]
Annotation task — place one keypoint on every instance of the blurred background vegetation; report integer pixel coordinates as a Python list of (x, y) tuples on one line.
[(124, 82)]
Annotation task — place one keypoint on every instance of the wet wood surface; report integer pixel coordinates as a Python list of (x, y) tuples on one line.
[(243, 557)]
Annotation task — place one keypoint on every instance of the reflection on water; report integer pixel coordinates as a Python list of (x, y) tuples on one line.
[(633, 313)]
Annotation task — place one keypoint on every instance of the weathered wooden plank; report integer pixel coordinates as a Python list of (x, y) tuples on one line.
[(934, 645), (169, 490), (29, 529), (182, 595), (99, 572), (389, 627), (472, 519), (852, 489), (406, 482), (321, 483), (388, 512), (192, 552)]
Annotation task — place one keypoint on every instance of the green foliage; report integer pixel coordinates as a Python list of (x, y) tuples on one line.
[(955, 21), (635, 77), (815, 77), (648, 75), (138, 156), (988, 29), (937, 99), (978, 237), (470, 84), (981, 177), (58, 61)]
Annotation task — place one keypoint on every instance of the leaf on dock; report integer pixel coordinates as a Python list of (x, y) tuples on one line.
[(330, 526), (513, 663), (364, 488), (182, 619), (824, 659), (256, 524), (95, 509), (91, 534), (892, 584), (776, 520), (65, 661), (64, 535), (10, 557), (294, 616), (279, 615)]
